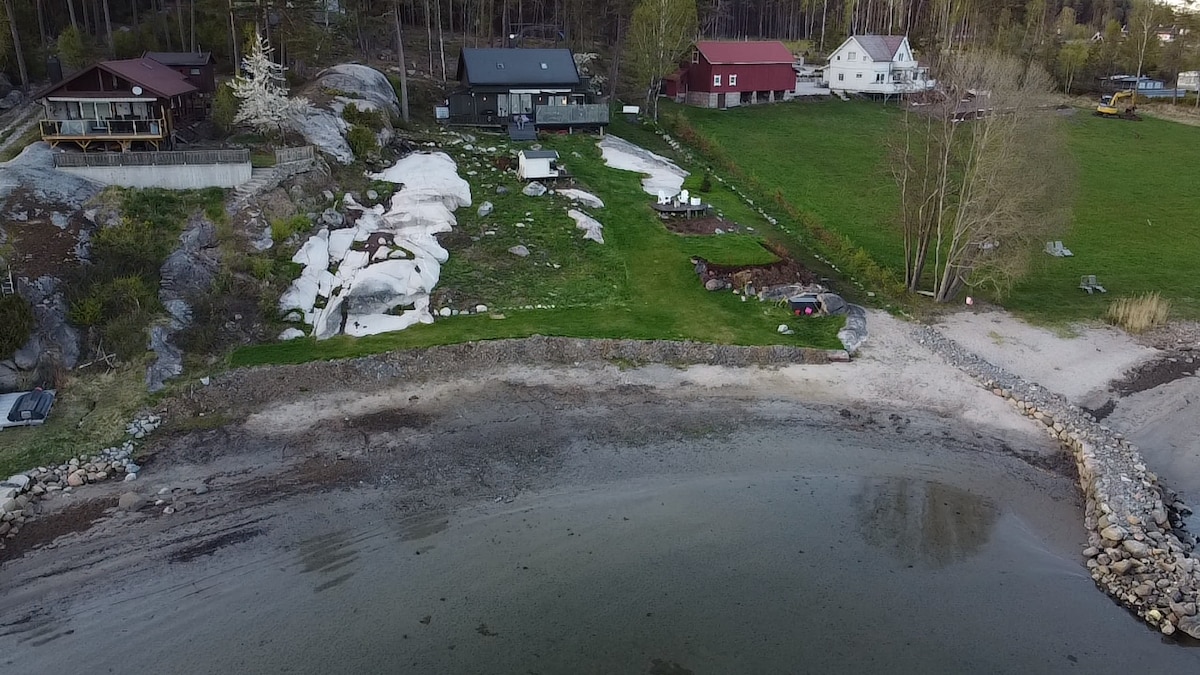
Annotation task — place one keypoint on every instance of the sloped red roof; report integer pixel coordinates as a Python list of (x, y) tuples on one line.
[(153, 77), (765, 51)]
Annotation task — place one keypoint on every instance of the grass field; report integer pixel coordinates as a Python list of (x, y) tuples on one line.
[(91, 412), (639, 284), (1135, 221)]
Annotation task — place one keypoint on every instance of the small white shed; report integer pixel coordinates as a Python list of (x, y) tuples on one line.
[(537, 164)]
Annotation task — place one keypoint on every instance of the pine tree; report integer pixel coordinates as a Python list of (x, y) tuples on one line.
[(263, 91)]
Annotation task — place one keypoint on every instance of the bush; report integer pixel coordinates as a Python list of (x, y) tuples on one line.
[(371, 119), (282, 228), (224, 108), (16, 324), (706, 184), (362, 141), (73, 49), (1139, 313)]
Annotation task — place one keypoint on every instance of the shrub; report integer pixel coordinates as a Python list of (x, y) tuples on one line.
[(224, 108), (282, 228), (16, 323), (706, 184), (73, 48), (362, 141), (87, 311), (371, 119), (1140, 313)]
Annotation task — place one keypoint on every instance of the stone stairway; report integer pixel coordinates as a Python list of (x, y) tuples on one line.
[(260, 179), (7, 287)]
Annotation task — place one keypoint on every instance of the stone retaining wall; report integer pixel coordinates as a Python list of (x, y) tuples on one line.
[(1138, 551)]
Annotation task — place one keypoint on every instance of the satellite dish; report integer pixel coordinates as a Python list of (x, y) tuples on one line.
[(137, 91)]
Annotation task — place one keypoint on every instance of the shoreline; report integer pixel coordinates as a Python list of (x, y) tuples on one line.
[(388, 390)]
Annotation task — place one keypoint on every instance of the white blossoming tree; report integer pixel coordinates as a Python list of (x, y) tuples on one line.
[(262, 89)]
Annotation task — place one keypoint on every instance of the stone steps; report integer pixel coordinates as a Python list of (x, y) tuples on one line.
[(259, 179)]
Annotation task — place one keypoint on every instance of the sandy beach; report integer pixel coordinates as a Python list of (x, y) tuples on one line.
[(881, 515)]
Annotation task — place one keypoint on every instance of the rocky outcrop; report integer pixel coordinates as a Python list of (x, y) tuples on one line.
[(366, 88), (186, 274), (362, 83), (53, 339), (1138, 551)]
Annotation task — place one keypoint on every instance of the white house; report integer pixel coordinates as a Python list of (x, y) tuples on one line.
[(1189, 80), (876, 64)]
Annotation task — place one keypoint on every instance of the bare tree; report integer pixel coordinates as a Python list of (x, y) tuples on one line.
[(403, 63), (984, 183), (1143, 27), (660, 33), (16, 43)]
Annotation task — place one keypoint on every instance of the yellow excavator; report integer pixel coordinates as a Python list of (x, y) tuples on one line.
[(1121, 104)]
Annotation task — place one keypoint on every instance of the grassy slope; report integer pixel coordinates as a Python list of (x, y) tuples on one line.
[(827, 158), (1134, 224), (90, 413), (656, 294)]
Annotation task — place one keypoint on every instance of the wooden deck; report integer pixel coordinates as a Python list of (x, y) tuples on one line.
[(121, 133), (685, 210)]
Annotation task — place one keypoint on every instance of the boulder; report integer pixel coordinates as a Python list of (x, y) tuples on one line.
[(1190, 625), (534, 189), (11, 100), (10, 379), (325, 130), (169, 361), (332, 219), (130, 501), (290, 334), (485, 209), (364, 83), (519, 250), (716, 285)]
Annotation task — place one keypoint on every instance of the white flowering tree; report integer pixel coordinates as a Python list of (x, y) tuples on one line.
[(263, 92)]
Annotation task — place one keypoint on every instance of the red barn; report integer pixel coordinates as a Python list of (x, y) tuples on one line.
[(728, 74)]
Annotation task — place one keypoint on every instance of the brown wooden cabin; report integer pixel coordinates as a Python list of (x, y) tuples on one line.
[(198, 68), (113, 105)]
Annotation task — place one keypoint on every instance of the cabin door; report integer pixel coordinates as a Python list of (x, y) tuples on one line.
[(502, 106)]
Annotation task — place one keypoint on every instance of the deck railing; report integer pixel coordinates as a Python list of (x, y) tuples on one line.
[(571, 115), (165, 158), (148, 128), (300, 154)]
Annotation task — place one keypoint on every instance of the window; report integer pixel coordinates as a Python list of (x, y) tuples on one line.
[(716, 80), (544, 66), (499, 66), (695, 56), (858, 75), (853, 55), (841, 77), (879, 77), (733, 80), (195, 71)]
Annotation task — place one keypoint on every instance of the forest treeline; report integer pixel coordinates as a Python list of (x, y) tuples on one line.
[(1077, 40)]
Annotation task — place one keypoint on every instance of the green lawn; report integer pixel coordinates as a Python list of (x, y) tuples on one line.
[(91, 413), (1135, 223), (638, 284), (827, 158)]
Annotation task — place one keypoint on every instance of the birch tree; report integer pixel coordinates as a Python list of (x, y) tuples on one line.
[(265, 104), (1143, 27), (660, 33), (981, 193)]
